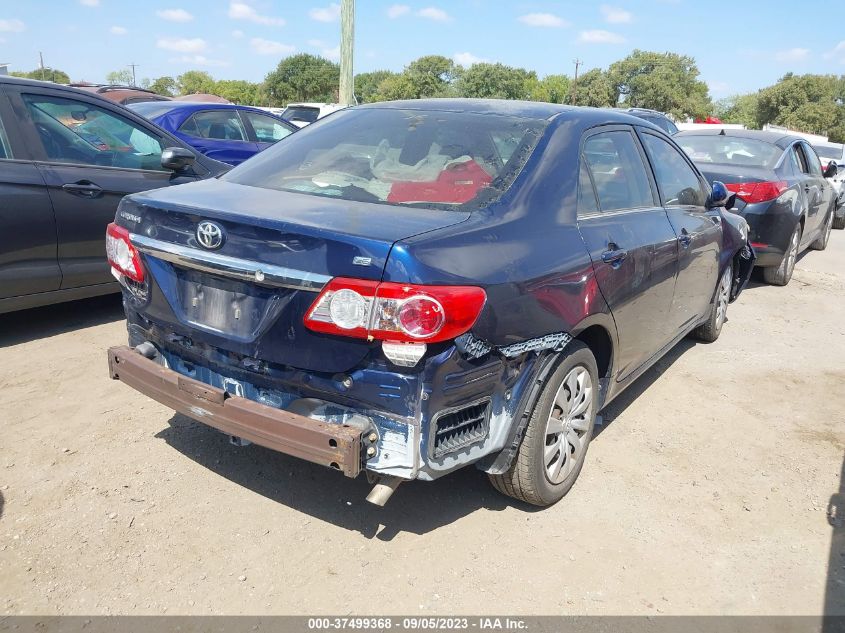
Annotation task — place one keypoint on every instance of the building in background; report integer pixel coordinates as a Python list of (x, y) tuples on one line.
[(4, 69)]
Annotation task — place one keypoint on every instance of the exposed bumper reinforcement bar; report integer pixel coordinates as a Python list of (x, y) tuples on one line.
[(332, 445)]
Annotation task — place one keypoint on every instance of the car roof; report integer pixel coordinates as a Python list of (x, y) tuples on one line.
[(524, 109), (20, 81), (169, 106), (775, 138)]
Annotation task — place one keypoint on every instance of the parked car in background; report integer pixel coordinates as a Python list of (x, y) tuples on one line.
[(660, 119), (67, 157), (412, 287), (780, 186), (828, 153), (301, 114), (124, 95), (224, 132)]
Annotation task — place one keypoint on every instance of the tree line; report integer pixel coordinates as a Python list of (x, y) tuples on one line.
[(667, 82)]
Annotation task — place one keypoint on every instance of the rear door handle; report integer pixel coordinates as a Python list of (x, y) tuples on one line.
[(684, 238), (614, 256), (83, 189)]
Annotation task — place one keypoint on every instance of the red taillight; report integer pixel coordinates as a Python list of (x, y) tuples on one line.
[(122, 255), (753, 192), (395, 312)]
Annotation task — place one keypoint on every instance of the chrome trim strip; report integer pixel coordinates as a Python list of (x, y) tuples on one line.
[(242, 269)]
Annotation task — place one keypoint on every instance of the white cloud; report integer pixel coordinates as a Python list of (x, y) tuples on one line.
[(242, 11), (718, 87), (316, 43), (269, 47), (792, 55), (543, 19), (600, 37), (330, 13), (837, 52), (433, 13), (468, 59), (118, 30), (175, 15), (331, 53), (182, 44), (615, 15), (199, 60), (237, 34), (397, 10), (90, 3), (11, 26)]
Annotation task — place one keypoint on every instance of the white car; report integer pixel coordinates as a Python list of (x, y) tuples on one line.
[(301, 114), (835, 152)]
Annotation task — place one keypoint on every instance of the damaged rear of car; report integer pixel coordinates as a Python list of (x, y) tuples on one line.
[(407, 288)]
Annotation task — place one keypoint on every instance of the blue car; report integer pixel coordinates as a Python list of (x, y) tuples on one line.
[(407, 288), (225, 132)]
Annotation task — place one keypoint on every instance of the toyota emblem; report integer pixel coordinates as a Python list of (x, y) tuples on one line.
[(209, 235)]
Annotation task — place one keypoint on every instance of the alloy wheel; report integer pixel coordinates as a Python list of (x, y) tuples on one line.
[(723, 297), (569, 421)]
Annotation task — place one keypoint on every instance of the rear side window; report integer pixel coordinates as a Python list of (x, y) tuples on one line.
[(436, 159), (78, 132), (586, 194), (5, 150), (678, 183), (618, 171), (223, 125), (267, 129)]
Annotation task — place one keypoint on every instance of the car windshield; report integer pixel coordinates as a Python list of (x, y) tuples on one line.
[(406, 157), (299, 113), (716, 148), (829, 152)]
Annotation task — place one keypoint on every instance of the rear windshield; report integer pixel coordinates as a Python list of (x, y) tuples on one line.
[(730, 150), (294, 113), (151, 109), (406, 157)]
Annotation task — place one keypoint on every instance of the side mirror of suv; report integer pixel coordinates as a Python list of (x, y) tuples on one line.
[(177, 158), (831, 170)]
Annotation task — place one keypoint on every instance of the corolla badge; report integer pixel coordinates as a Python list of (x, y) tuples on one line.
[(209, 235)]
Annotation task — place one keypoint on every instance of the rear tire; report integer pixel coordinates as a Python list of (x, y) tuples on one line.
[(559, 431), (781, 274), (838, 223), (821, 241), (710, 330)]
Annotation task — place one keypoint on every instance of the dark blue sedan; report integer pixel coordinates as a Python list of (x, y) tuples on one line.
[(407, 288), (225, 132)]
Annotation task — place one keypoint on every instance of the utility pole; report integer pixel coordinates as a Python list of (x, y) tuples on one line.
[(577, 63), (41, 58), (132, 66), (347, 46)]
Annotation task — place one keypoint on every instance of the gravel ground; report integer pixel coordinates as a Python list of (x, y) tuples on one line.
[(705, 492)]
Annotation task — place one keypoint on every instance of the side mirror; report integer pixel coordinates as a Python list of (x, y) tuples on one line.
[(177, 158), (719, 195), (831, 170)]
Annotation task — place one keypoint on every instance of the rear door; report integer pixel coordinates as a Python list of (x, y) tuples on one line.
[(812, 184), (90, 155), (219, 134), (631, 243), (28, 262), (699, 231), (825, 188)]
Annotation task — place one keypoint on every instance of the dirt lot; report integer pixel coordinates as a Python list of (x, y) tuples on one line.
[(706, 491)]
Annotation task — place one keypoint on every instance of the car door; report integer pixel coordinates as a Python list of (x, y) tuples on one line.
[(813, 187), (90, 155), (825, 188), (699, 230), (631, 242), (219, 134), (263, 129), (28, 262)]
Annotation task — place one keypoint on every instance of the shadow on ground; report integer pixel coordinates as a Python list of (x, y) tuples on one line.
[(2, 504), (417, 507), (834, 599), (29, 325)]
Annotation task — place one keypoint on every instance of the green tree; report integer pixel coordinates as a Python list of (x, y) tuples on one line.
[(662, 81), (496, 81), (367, 84), (120, 77), (738, 109), (551, 89), (47, 74), (804, 102), (302, 77), (593, 89), (431, 76), (238, 91), (195, 82), (165, 86)]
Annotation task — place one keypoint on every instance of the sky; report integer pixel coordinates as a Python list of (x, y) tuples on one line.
[(739, 45)]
